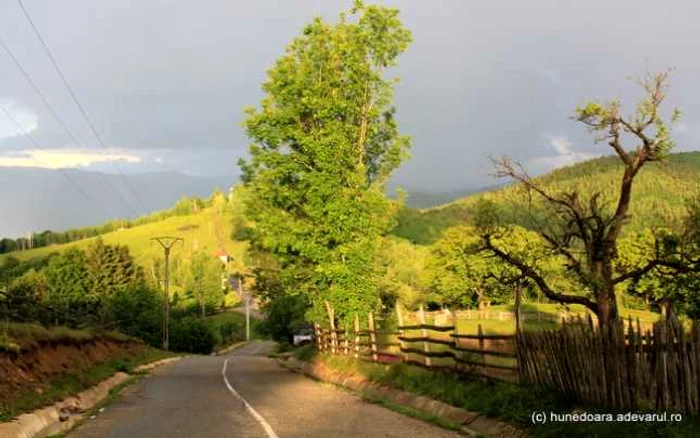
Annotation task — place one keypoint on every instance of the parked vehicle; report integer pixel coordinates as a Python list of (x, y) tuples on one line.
[(305, 335)]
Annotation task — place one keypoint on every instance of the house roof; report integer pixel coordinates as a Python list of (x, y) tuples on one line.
[(220, 253)]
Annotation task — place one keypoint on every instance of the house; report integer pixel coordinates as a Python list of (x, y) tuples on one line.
[(222, 255)]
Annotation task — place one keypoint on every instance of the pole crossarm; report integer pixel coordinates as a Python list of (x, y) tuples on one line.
[(167, 242)]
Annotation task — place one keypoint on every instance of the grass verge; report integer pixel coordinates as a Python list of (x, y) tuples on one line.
[(114, 393), (18, 337), (509, 402), (413, 413)]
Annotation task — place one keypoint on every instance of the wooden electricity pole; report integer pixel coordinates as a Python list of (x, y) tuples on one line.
[(167, 243)]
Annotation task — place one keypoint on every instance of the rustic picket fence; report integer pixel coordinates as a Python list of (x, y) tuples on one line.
[(636, 367), (434, 346), (616, 368)]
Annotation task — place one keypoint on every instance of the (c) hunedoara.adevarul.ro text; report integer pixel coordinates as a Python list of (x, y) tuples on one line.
[(542, 417)]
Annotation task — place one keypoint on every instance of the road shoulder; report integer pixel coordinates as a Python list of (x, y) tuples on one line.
[(469, 423)]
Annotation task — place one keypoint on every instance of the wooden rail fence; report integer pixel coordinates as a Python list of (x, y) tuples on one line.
[(425, 345), (620, 368)]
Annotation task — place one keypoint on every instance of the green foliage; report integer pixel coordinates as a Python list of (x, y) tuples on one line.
[(110, 269), (325, 140), (203, 281), (227, 327), (461, 274), (66, 277), (137, 312), (660, 196), (184, 207), (402, 268), (305, 352), (284, 316), (192, 335)]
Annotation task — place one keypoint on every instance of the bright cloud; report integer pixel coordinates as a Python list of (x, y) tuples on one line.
[(565, 155), (25, 118), (63, 158)]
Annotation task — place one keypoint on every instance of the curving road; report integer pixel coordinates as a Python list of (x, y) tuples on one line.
[(244, 394)]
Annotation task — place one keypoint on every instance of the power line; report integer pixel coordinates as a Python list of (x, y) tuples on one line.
[(75, 99), (36, 145), (43, 98)]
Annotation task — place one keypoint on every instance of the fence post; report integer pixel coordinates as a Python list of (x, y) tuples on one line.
[(455, 339), (481, 344), (345, 342), (518, 299), (424, 334), (331, 318), (399, 316), (357, 336), (372, 336), (319, 343)]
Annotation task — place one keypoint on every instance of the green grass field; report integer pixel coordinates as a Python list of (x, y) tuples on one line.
[(207, 230)]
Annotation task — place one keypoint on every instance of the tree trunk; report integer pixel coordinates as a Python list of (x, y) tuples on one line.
[(607, 306)]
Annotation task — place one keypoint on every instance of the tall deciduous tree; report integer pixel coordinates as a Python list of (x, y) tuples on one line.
[(66, 280), (584, 229), (204, 280), (324, 142), (110, 268)]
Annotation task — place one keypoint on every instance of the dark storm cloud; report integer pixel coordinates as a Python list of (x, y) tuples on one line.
[(169, 80)]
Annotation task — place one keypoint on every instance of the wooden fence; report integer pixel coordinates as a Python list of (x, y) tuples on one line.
[(613, 368), (630, 368), (426, 345)]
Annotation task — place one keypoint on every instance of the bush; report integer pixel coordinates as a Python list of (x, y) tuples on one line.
[(285, 315), (226, 332), (138, 313), (305, 353), (192, 335)]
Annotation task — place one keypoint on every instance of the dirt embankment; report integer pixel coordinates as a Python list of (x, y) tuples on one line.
[(36, 369)]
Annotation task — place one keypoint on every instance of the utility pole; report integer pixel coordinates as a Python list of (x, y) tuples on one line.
[(246, 297), (167, 243)]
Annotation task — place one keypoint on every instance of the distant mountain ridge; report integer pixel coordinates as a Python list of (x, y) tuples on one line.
[(36, 199), (658, 199), (420, 199)]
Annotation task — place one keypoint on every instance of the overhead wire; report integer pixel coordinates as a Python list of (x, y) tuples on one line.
[(58, 119), (75, 99), (36, 145)]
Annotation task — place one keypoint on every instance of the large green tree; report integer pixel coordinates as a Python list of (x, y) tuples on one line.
[(324, 142), (109, 269)]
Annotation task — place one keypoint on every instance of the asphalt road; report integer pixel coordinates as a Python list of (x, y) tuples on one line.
[(244, 394)]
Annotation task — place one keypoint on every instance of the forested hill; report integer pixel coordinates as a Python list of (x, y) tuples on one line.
[(658, 198)]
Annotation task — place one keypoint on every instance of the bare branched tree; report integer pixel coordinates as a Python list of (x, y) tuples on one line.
[(580, 228)]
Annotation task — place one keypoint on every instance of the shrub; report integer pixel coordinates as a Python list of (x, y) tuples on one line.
[(285, 315), (137, 312), (192, 335)]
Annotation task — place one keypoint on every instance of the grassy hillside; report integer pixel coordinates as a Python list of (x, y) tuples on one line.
[(658, 196), (207, 230)]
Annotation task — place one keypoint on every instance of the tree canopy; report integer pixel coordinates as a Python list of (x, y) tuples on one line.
[(324, 141)]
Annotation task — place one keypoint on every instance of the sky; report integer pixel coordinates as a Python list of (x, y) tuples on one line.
[(165, 83)]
